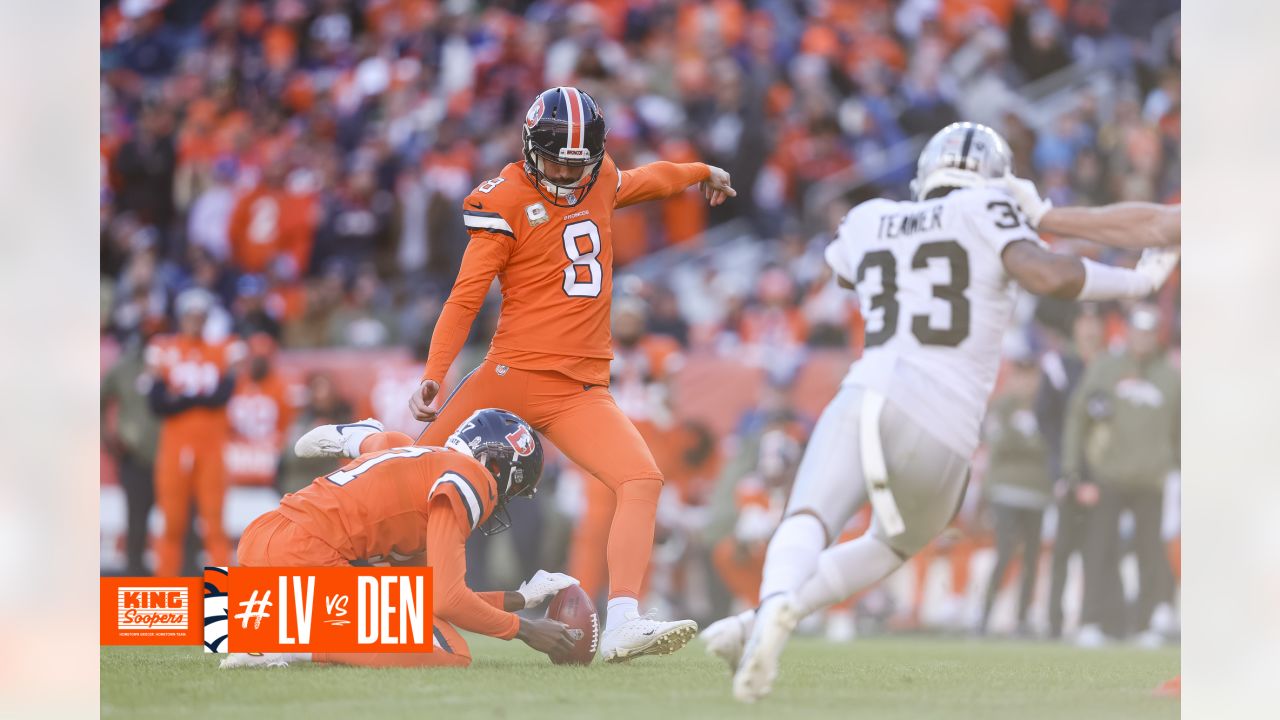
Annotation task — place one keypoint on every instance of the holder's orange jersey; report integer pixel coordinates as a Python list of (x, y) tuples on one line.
[(385, 507), (375, 508), (555, 266)]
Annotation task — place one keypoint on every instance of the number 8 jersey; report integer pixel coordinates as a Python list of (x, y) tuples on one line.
[(555, 267), (936, 299)]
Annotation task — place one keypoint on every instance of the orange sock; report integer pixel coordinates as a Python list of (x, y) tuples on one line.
[(431, 659), (384, 441), (631, 536)]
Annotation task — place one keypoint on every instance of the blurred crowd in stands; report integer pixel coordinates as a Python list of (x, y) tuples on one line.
[(304, 162)]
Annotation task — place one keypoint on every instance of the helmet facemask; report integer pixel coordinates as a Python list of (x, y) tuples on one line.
[(561, 194), (500, 519)]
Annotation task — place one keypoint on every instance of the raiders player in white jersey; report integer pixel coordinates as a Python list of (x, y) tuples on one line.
[(936, 278)]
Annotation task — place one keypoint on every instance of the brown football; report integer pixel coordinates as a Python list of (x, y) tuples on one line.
[(574, 608)]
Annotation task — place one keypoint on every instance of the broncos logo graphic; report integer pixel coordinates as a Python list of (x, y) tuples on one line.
[(522, 441)]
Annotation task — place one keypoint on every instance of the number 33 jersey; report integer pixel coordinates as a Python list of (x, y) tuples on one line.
[(937, 301), (555, 266)]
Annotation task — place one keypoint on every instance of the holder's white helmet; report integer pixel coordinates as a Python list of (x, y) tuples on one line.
[(962, 155)]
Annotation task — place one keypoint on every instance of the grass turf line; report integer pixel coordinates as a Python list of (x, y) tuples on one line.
[(884, 678)]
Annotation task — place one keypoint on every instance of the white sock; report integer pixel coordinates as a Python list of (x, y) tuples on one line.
[(792, 555), (845, 569), (352, 438), (619, 609)]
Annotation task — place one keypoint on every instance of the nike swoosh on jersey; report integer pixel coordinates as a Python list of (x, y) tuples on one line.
[(476, 205)]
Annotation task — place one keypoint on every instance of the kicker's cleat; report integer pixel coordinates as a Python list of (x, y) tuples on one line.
[(775, 621), (642, 635), (725, 638), (258, 660), (342, 440)]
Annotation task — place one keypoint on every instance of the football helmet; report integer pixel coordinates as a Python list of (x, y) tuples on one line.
[(509, 449), (961, 155), (564, 125)]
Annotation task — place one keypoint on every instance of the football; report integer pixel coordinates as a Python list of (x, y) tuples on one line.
[(574, 608)]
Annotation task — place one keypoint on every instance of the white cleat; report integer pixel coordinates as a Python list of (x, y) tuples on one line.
[(645, 635), (725, 638), (255, 660), (334, 440), (775, 621)]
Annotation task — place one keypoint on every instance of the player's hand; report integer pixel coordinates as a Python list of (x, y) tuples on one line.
[(546, 636), (1024, 192), (543, 586), (717, 188), (421, 402), (1156, 264)]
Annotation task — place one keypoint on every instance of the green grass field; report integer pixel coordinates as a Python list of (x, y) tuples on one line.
[(881, 678)]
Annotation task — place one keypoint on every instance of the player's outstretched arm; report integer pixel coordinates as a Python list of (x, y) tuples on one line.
[(485, 256), (452, 600), (1128, 225), (659, 180), (1045, 272)]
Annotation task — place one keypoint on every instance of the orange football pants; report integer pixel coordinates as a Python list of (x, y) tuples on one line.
[(188, 468), (273, 540), (585, 423)]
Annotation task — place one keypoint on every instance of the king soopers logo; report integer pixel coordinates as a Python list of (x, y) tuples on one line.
[(152, 608)]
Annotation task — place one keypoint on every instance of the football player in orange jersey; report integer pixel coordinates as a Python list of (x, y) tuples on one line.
[(191, 384), (543, 228), (358, 515), (270, 227), (259, 414)]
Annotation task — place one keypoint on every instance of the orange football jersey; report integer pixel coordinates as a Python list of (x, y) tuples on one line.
[(191, 367), (267, 223), (259, 414), (375, 508), (555, 266)]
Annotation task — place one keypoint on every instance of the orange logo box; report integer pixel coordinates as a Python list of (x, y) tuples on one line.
[(340, 609), (150, 611)]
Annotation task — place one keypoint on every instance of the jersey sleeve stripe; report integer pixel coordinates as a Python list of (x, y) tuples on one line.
[(486, 221), (470, 499)]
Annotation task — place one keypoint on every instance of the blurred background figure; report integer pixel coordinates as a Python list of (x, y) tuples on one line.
[(761, 497), (259, 414), (191, 382), (1018, 486), (131, 438), (1061, 368), (1124, 425)]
